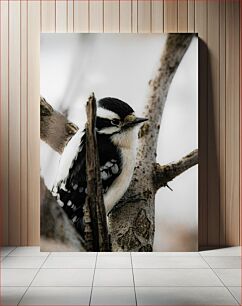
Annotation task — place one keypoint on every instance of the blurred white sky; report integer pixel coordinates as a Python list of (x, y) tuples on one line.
[(120, 65)]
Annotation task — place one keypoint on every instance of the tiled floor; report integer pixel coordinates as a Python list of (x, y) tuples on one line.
[(29, 277)]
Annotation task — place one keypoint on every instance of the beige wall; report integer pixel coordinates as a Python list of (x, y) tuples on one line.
[(217, 23)]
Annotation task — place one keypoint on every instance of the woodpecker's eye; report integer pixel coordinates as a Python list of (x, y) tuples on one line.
[(115, 121)]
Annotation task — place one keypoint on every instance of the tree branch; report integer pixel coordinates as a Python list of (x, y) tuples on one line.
[(94, 213), (164, 174), (55, 129), (132, 226), (175, 48), (56, 230)]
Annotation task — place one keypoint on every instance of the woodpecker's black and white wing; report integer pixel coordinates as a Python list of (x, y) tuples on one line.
[(71, 187)]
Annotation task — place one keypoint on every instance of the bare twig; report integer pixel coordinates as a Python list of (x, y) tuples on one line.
[(94, 205), (175, 48), (162, 175), (55, 129), (139, 218)]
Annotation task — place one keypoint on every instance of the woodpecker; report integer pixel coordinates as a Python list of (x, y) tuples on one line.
[(117, 135)]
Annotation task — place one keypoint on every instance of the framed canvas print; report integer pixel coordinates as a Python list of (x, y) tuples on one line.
[(119, 139)]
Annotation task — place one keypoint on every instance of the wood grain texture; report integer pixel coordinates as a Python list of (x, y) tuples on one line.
[(24, 123), (14, 122), (213, 123), (4, 122), (240, 130), (125, 22), (111, 16), (70, 15), (182, 16), (144, 16), (171, 16), (33, 123), (157, 16), (61, 16), (222, 120), (81, 16), (191, 16), (134, 20), (48, 16), (232, 122), (201, 29), (217, 24), (96, 16)]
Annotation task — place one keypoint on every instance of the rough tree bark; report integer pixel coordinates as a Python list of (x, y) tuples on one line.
[(55, 129), (56, 230), (164, 174), (131, 224), (96, 231)]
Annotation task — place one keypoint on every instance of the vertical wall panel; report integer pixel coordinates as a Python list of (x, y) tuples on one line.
[(213, 124), (191, 16), (125, 16), (14, 122), (24, 124), (232, 121), (157, 16), (222, 120), (240, 128), (183, 15), (144, 16), (70, 15), (134, 20), (217, 23), (48, 16), (81, 16), (61, 16), (96, 16), (33, 122), (201, 28), (4, 122), (111, 16), (170, 16)]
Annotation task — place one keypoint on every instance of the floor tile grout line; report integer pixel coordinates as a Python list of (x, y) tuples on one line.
[(219, 256), (90, 268), (133, 269), (220, 280), (112, 256), (14, 248), (90, 299), (135, 295), (41, 256), (105, 286), (33, 279), (5, 268), (209, 256), (3, 258), (239, 302)]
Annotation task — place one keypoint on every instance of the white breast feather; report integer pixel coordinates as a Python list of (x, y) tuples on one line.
[(68, 156), (127, 142)]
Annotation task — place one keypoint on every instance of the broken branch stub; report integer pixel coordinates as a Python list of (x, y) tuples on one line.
[(55, 129), (94, 211), (166, 173)]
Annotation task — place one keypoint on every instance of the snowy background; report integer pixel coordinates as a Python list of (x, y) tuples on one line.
[(120, 65)]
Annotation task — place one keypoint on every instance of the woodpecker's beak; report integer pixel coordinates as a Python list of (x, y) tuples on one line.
[(131, 121), (138, 120)]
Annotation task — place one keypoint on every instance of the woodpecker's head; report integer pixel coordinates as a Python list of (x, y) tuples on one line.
[(116, 117)]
